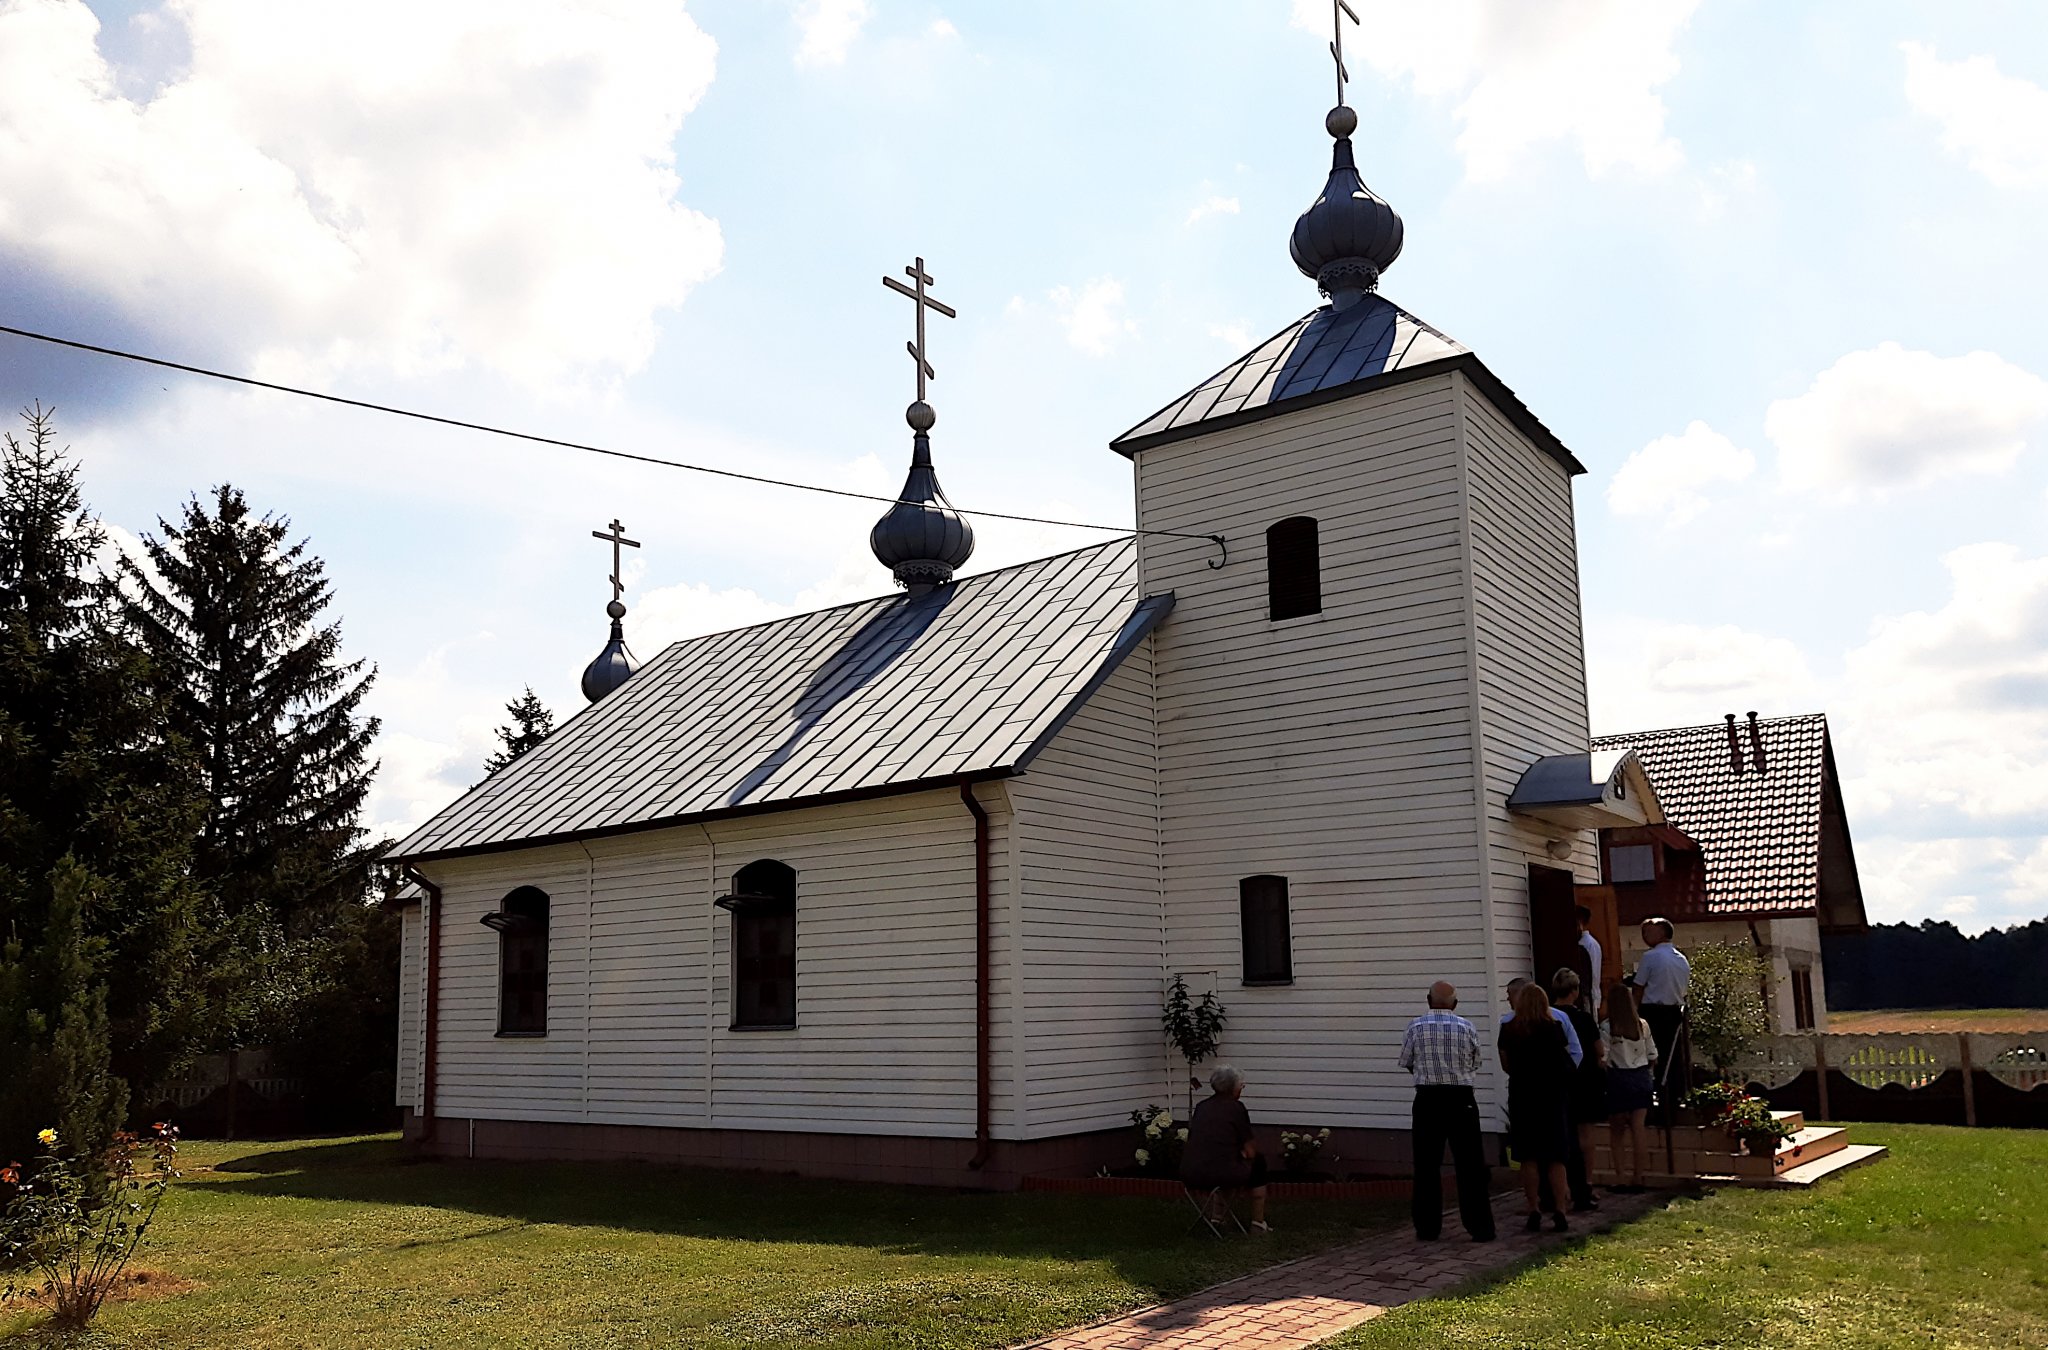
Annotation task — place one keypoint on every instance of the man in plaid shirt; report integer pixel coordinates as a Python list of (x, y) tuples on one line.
[(1442, 1051)]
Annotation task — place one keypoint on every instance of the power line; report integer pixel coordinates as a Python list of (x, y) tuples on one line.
[(487, 429)]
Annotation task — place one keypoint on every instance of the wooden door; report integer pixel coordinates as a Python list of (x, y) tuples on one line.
[(1554, 924), (1606, 929)]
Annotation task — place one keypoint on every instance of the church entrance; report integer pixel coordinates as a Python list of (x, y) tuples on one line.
[(1554, 924)]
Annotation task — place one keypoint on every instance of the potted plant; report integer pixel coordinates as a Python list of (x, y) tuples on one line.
[(1750, 1123)]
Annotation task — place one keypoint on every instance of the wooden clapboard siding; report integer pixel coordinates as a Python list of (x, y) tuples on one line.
[(1087, 827), (1338, 750), (1529, 652), (411, 997), (639, 981)]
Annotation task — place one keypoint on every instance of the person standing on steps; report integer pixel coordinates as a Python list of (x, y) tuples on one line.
[(1663, 978), (1587, 1099), (1631, 1056), (1441, 1051), (1590, 976)]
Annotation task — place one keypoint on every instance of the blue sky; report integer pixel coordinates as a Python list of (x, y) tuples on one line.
[(1772, 271)]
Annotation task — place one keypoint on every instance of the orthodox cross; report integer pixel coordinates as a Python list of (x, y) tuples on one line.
[(1338, 10), (616, 538), (917, 274)]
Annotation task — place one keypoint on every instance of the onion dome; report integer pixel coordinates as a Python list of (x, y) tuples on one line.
[(614, 664), (1349, 236), (922, 540)]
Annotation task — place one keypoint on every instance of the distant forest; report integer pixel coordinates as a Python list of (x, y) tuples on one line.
[(1933, 965)]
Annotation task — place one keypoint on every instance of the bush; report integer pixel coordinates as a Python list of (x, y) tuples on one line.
[(1300, 1152), (1726, 1001), (1160, 1141), (75, 1221)]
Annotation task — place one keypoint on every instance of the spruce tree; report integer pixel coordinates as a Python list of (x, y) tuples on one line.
[(531, 722), (101, 928), (230, 611)]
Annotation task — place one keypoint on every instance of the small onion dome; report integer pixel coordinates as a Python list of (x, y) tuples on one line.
[(922, 539), (1349, 236), (614, 664)]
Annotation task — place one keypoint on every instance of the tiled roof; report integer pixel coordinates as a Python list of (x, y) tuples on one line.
[(1759, 833), (969, 680)]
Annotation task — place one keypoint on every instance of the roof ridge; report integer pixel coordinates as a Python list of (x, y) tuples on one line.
[(1710, 726)]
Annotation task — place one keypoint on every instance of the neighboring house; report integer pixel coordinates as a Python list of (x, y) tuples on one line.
[(1756, 849), (894, 889)]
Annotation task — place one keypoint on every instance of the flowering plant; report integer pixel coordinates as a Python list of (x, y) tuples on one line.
[(1160, 1140), (1713, 1100), (75, 1222), (1298, 1152)]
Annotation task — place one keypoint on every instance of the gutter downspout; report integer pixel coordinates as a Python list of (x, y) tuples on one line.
[(984, 1145), (430, 1013)]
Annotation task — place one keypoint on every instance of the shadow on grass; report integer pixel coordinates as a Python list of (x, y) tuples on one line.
[(1155, 1243)]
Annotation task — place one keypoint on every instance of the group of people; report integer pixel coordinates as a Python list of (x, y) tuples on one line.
[(1570, 1068), (1569, 1071)]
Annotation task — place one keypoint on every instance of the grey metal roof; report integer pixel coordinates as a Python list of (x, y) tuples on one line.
[(1325, 355), (970, 680)]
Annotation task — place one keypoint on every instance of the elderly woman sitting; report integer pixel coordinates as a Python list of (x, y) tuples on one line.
[(1221, 1150)]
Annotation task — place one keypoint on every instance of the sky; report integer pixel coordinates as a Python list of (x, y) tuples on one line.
[(1772, 271)]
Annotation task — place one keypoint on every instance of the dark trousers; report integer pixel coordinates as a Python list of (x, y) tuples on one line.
[(1574, 1177), (1673, 1078), (1449, 1115)]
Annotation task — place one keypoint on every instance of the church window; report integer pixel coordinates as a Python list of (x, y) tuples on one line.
[(1802, 1000), (1294, 568), (1262, 917), (763, 905), (1629, 863), (521, 922)]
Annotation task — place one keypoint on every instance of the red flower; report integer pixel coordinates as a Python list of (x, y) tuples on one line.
[(10, 1173)]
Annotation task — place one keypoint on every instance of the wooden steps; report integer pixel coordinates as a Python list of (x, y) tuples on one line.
[(1690, 1154)]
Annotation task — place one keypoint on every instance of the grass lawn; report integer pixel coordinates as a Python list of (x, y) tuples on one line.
[(1940, 1019), (1945, 1243), (344, 1243)]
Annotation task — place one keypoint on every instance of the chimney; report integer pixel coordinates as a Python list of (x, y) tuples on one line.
[(1756, 743), (1734, 747)]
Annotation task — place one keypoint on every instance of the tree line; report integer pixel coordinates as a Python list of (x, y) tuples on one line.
[(1933, 964), (184, 759)]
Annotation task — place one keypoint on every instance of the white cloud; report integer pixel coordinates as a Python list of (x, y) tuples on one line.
[(827, 28), (1996, 122), (1892, 418), (1236, 335), (1214, 206), (1667, 478), (387, 184), (1094, 316), (1653, 674), (1586, 72), (943, 28)]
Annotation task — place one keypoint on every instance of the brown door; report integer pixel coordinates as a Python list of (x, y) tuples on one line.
[(1606, 929), (1554, 924)]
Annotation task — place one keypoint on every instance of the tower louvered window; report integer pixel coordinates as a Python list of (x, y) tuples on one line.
[(1294, 568), (763, 905)]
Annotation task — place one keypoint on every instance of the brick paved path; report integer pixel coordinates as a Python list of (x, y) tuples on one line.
[(1314, 1298)]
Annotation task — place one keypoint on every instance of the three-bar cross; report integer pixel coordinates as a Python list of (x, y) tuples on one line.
[(616, 538), (917, 274), (1338, 10)]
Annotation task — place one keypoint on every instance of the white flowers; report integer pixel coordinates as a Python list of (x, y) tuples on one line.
[(1143, 1156), (1183, 1134)]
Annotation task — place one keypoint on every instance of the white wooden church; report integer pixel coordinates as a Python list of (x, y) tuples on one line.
[(893, 890)]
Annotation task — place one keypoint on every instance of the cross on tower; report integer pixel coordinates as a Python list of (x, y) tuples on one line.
[(1338, 10), (616, 538), (917, 274)]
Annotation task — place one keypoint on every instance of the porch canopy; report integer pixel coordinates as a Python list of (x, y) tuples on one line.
[(1592, 790)]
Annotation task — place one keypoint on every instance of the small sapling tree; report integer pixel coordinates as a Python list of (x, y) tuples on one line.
[(1193, 1026)]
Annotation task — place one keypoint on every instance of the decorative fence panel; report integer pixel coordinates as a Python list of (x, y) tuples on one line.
[(1963, 1078)]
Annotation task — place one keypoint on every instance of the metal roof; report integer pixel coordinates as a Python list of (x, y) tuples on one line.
[(1587, 791), (1760, 833), (969, 680), (1329, 354)]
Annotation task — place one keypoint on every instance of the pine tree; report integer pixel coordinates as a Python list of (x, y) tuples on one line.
[(97, 814), (531, 722), (232, 620)]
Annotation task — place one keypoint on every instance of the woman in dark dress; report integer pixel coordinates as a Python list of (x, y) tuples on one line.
[(1221, 1150), (1540, 1073)]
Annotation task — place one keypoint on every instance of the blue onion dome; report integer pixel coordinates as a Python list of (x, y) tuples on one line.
[(615, 664), (922, 540), (1349, 236)]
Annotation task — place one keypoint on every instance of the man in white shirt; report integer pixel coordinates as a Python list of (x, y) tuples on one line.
[(1590, 945), (1663, 976)]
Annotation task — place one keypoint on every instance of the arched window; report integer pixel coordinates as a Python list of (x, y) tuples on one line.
[(1268, 941), (1294, 568), (521, 922), (763, 905)]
